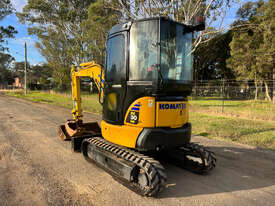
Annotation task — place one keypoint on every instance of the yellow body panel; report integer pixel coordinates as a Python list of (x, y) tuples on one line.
[(145, 107), (171, 114), (123, 135)]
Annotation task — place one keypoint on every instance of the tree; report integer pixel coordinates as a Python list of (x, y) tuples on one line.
[(60, 29), (273, 85), (252, 46), (68, 32), (5, 8), (6, 75), (210, 58), (266, 52), (39, 76), (41, 70), (243, 59), (36, 74), (210, 62), (5, 32), (100, 20)]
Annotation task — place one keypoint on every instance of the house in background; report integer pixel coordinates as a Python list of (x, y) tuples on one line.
[(17, 83)]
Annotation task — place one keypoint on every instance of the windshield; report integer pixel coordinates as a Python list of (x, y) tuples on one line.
[(176, 60), (144, 50), (167, 56)]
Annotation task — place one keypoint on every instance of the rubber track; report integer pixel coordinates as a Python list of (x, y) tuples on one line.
[(208, 158), (154, 171)]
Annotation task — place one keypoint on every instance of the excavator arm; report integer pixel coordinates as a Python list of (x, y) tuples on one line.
[(89, 69), (76, 127)]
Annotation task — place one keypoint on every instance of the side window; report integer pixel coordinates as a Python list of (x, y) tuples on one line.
[(144, 51), (115, 60)]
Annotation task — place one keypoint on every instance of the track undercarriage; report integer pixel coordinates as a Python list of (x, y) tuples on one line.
[(138, 171)]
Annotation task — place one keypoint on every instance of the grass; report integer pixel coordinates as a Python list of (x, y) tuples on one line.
[(236, 124), (89, 102), (251, 132), (247, 109)]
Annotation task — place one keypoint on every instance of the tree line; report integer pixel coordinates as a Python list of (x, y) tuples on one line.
[(5, 33), (75, 31), (245, 52)]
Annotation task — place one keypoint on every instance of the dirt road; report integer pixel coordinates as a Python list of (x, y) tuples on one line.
[(36, 168)]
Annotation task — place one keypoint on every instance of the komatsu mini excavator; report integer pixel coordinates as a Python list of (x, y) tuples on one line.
[(143, 89)]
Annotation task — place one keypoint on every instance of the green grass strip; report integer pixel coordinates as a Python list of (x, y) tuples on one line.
[(249, 109), (89, 102), (251, 132)]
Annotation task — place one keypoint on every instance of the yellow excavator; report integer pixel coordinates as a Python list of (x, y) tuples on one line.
[(143, 89)]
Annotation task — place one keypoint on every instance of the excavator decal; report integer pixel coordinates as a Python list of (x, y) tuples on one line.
[(133, 116), (136, 107), (172, 106)]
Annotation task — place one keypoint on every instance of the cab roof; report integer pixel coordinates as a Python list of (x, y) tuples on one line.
[(127, 25)]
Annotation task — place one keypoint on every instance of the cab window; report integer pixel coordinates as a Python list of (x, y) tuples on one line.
[(143, 51), (115, 59)]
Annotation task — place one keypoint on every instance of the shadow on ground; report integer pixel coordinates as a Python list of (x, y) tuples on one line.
[(237, 169)]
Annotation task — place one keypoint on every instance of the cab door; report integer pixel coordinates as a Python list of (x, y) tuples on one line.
[(115, 79)]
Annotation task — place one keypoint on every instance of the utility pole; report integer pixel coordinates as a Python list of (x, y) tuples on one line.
[(25, 68)]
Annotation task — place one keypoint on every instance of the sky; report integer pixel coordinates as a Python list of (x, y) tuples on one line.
[(16, 45)]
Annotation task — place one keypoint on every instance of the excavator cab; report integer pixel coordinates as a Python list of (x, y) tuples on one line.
[(149, 57), (148, 63)]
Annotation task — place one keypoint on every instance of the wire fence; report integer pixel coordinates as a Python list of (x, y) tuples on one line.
[(206, 89), (234, 90)]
